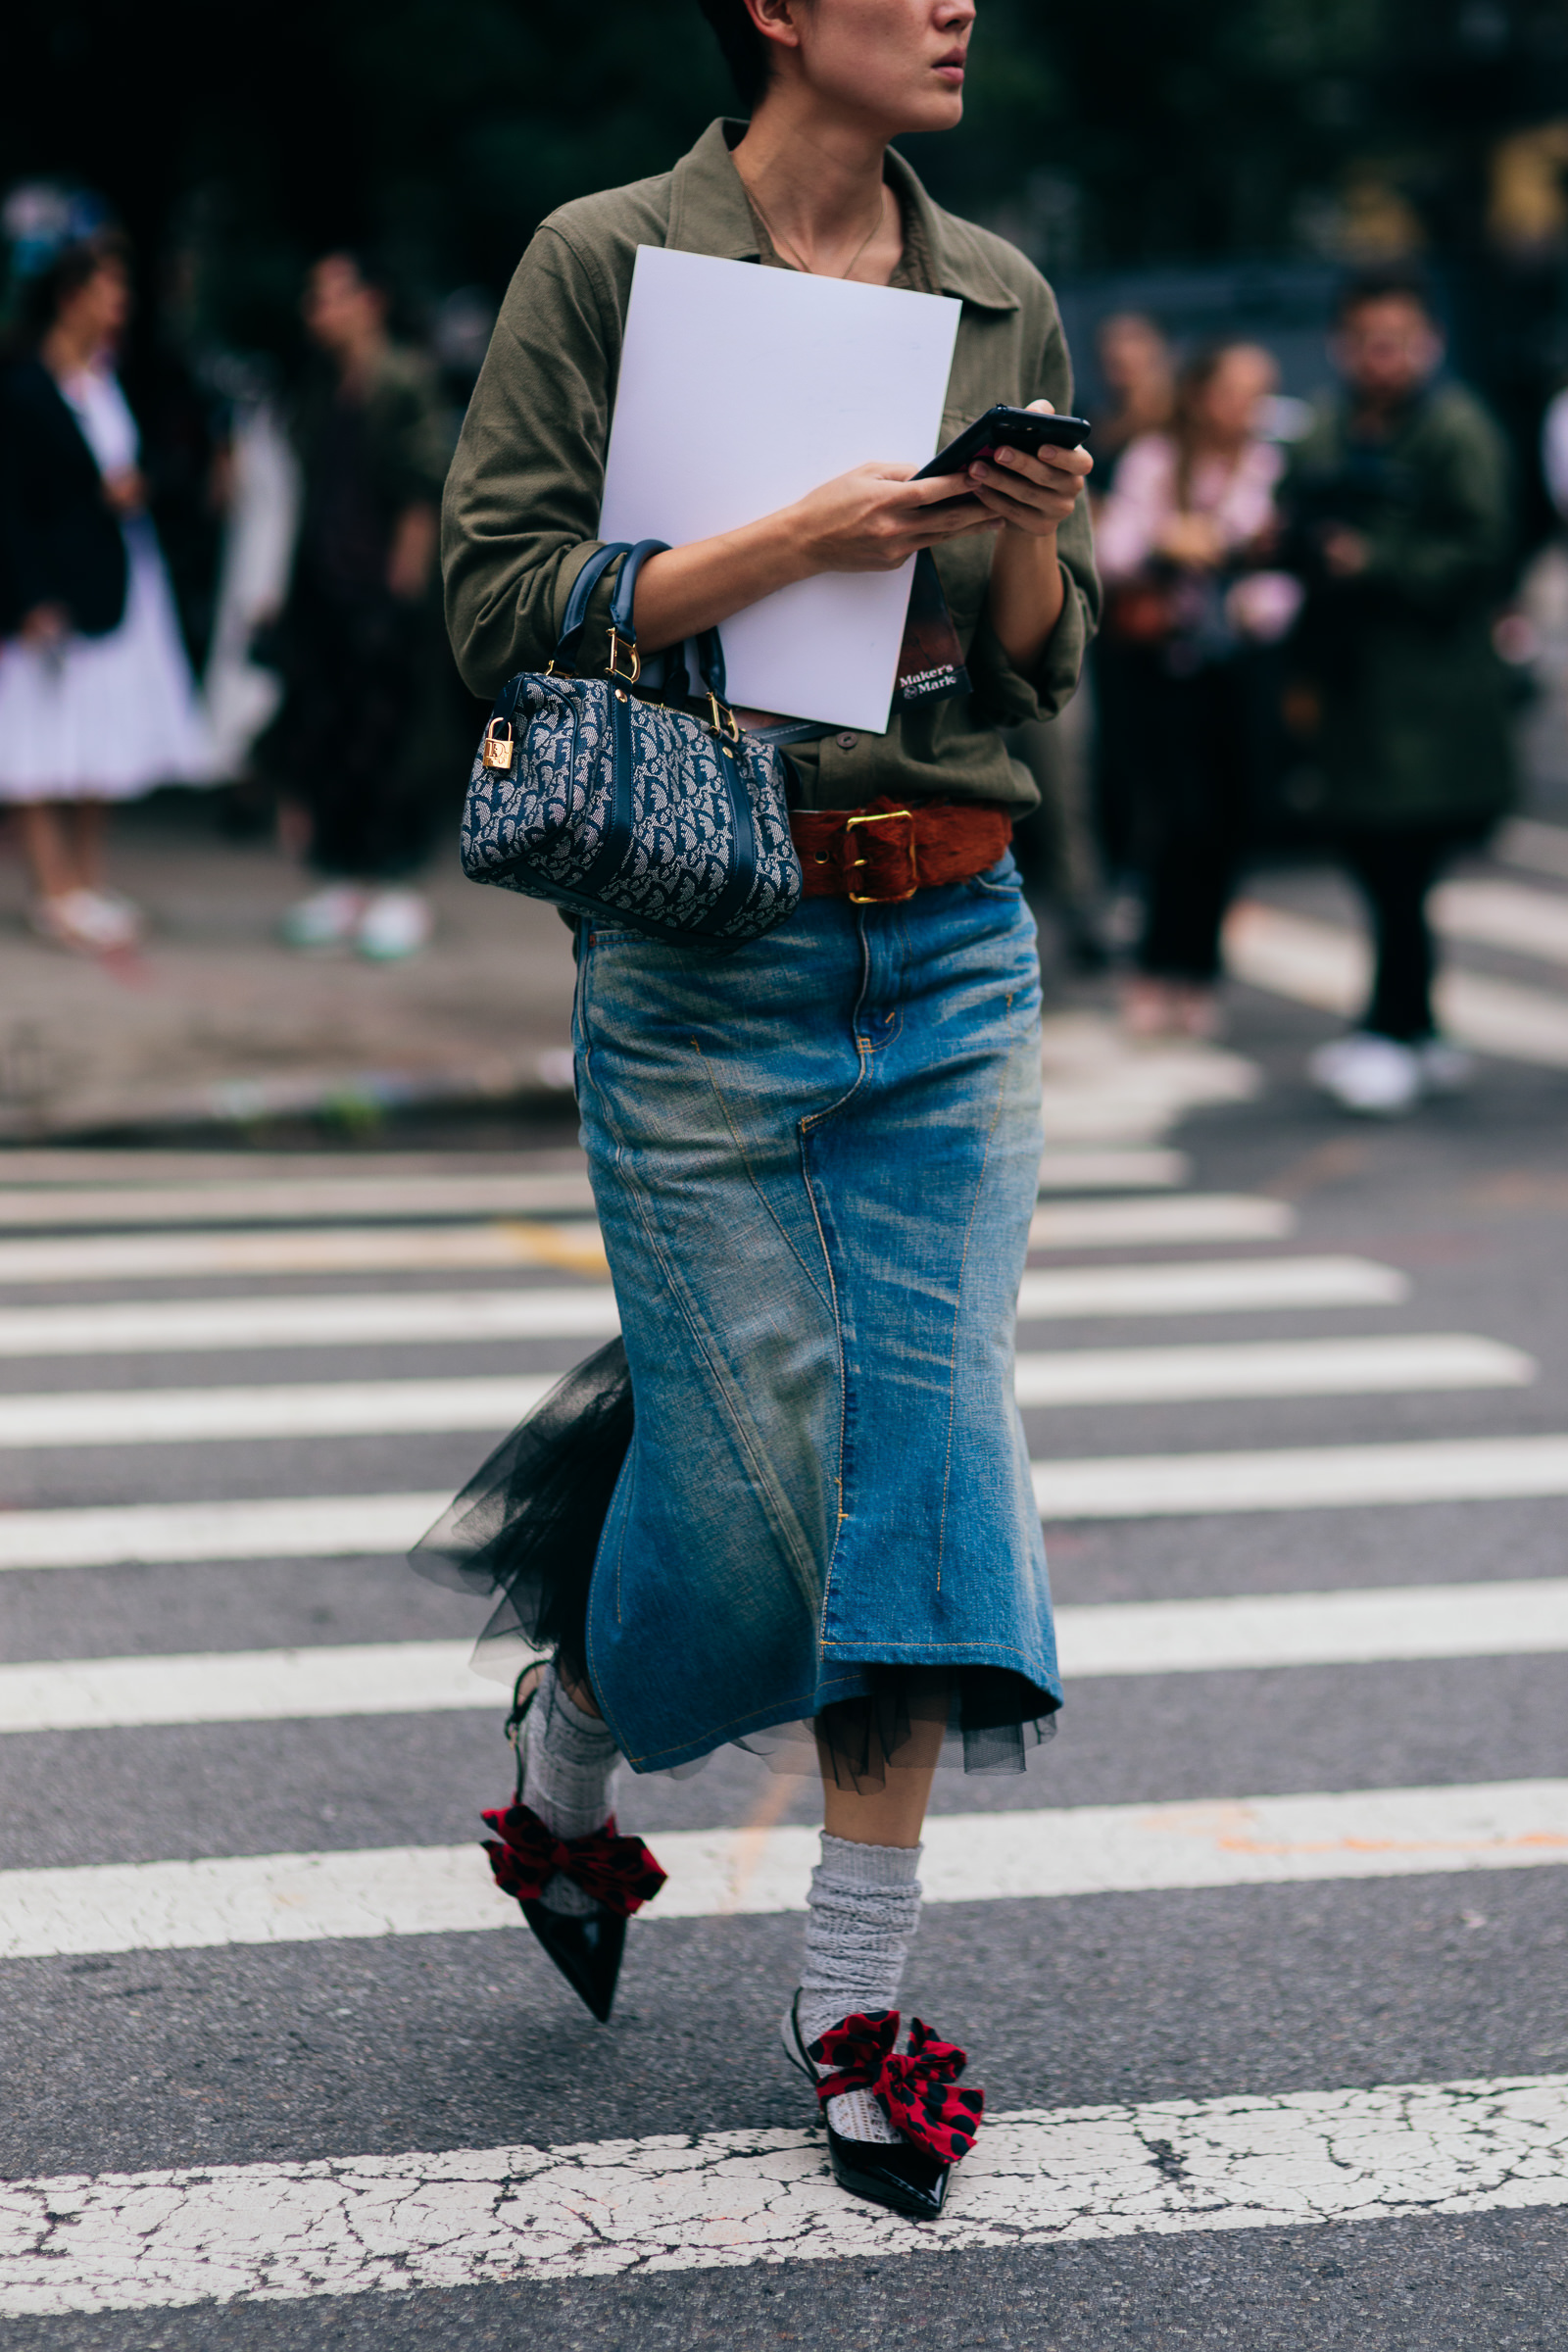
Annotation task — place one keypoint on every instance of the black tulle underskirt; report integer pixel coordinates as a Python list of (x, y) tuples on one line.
[(525, 1529)]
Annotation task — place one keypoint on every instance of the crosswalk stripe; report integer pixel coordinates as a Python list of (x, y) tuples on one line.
[(1102, 1487), (258, 1686), (332, 1408), (1318, 964), (1224, 1285), (294, 1200), (1301, 1478), (60, 1207), (272, 2231), (1543, 847), (77, 1417), (1135, 1168), (1363, 1367), (1263, 1630), (974, 1857), (304, 1249), (1502, 915), (409, 1248), (415, 1318), (1184, 1217), (137, 1327), (1113, 1638), (311, 1527)]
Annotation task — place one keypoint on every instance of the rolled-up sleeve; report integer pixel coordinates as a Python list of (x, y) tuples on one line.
[(522, 497), (1006, 697)]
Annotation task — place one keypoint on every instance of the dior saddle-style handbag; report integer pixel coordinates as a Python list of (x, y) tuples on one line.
[(637, 812)]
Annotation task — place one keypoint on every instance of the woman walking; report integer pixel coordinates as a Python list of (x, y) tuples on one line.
[(1180, 540), (815, 1160), (97, 703)]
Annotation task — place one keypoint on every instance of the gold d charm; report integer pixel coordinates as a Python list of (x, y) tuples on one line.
[(497, 748)]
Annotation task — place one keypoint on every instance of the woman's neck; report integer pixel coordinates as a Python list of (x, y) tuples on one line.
[(816, 179), (66, 350), (357, 363)]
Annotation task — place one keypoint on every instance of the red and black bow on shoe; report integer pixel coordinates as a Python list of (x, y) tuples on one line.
[(917, 2091), (618, 1871)]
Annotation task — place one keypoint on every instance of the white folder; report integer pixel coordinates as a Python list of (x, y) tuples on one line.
[(741, 388)]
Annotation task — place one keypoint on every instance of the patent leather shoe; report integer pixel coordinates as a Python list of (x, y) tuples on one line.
[(896, 2174), (586, 1950)]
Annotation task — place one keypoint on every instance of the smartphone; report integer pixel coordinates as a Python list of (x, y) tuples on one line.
[(1003, 427)]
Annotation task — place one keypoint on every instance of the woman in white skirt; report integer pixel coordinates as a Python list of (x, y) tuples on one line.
[(97, 703)]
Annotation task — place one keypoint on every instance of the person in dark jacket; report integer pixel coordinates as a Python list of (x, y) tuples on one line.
[(1400, 518), (97, 702), (361, 741), (60, 549)]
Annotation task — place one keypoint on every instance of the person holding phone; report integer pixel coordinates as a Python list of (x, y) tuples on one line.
[(815, 1160)]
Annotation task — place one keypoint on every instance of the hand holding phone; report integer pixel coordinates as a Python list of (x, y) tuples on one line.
[(1003, 427), (1027, 467)]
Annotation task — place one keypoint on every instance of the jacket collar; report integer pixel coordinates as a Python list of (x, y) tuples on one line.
[(708, 213)]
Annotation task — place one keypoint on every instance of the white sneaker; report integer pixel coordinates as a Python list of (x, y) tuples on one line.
[(1374, 1076), (1445, 1069), (89, 921), (328, 918), (396, 923)]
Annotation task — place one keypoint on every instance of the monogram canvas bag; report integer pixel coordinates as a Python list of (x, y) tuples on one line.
[(637, 812)]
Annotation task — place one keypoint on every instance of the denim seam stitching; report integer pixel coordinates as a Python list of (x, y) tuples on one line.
[(637, 1194), (807, 1127), (964, 1261), (761, 1480), (798, 1255)]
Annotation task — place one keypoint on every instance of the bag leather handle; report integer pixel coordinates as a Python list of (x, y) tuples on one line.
[(621, 604), (710, 652), (709, 649), (582, 588)]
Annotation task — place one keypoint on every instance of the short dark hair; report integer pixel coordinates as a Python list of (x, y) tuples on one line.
[(745, 50), (1389, 284), (73, 266)]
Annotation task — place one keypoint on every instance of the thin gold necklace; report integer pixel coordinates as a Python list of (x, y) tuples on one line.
[(792, 253)]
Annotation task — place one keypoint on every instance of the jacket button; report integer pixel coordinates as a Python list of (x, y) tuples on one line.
[(845, 743)]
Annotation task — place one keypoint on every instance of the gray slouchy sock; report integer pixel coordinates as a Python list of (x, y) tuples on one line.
[(571, 1761), (863, 1911)]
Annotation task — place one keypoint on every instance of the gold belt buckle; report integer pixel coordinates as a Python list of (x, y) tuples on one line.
[(884, 817)]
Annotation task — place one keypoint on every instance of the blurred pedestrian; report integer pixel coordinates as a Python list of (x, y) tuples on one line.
[(1138, 375), (1183, 541), (359, 744), (97, 703), (1400, 527), (1554, 452), (1056, 844)]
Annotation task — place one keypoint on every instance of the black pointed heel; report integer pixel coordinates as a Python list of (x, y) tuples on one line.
[(587, 1950), (905, 2179), (619, 1873)]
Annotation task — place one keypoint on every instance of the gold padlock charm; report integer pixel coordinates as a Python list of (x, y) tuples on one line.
[(498, 747)]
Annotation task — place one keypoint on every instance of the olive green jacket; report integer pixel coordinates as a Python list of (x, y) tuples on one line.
[(523, 494), (1413, 713)]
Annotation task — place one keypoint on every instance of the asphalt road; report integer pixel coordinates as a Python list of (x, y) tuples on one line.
[(164, 2057)]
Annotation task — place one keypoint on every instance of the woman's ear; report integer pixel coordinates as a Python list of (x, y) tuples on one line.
[(776, 21)]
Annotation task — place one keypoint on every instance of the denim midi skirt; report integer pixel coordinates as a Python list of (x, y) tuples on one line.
[(815, 1162)]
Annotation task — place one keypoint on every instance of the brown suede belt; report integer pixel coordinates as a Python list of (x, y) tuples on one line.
[(883, 852)]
